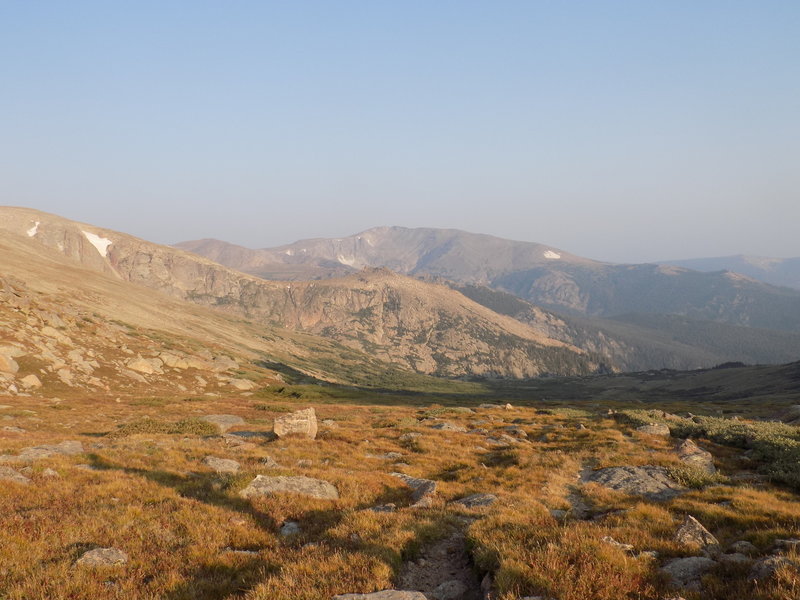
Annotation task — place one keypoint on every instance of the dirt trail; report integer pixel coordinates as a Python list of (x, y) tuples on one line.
[(444, 562)]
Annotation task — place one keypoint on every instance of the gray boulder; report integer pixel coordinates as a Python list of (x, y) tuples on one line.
[(447, 426), (223, 422), (264, 485), (422, 489), (302, 423), (384, 595), (476, 500), (9, 474), (685, 573), (692, 534), (221, 465), (743, 547), (650, 482), (654, 429), (766, 567), (34, 453), (691, 454), (103, 557)]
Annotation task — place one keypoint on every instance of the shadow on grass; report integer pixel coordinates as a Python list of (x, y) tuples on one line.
[(219, 580)]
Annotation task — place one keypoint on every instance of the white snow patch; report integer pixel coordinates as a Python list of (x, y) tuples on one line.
[(551, 254), (346, 261), (289, 253), (98, 242), (32, 231)]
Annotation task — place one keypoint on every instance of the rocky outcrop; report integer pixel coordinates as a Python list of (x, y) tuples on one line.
[(302, 423), (422, 489), (651, 482), (687, 572), (263, 485), (103, 557), (691, 454), (692, 534), (221, 465)]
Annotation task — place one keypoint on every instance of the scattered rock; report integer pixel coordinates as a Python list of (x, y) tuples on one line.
[(743, 547), (450, 590), (34, 453), (290, 528), (13, 429), (784, 545), (383, 508), (330, 423), (654, 429), (487, 405), (508, 406), (31, 382), (9, 474), (648, 481), (301, 422), (50, 473), (612, 542), (423, 489), (691, 533), (244, 385), (447, 426), (476, 500), (103, 557), (686, 572), (384, 595), (8, 364), (387, 456), (691, 454), (580, 427), (264, 485), (766, 567), (270, 463), (223, 422), (407, 437), (735, 559), (221, 465)]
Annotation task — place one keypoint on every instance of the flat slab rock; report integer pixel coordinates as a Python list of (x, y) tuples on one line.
[(221, 465), (686, 572), (422, 489), (384, 595), (223, 422), (34, 453), (651, 482), (476, 500), (9, 474), (103, 557), (264, 485), (301, 423)]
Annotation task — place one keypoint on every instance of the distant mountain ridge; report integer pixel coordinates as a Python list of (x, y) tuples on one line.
[(775, 271), (540, 274)]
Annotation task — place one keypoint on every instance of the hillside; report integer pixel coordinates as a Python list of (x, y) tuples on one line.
[(415, 325), (775, 271), (543, 275)]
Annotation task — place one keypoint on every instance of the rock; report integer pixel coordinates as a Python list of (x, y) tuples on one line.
[(290, 528), (612, 542), (580, 427), (508, 406), (173, 361), (224, 422), (691, 454), (9, 474), (447, 426), (516, 431), (304, 463), (651, 482), (50, 473), (383, 508), (221, 465), (145, 366), (487, 405), (735, 559), (103, 557), (766, 567), (264, 485), (784, 545), (270, 463), (743, 547), (34, 453), (692, 534), (476, 500), (387, 456), (224, 363), (423, 489), (686, 572), (450, 590), (244, 385), (654, 429), (384, 595), (407, 437), (330, 423), (31, 382), (13, 429), (8, 364), (301, 422)]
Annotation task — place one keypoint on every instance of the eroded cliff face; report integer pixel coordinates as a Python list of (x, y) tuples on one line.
[(425, 327)]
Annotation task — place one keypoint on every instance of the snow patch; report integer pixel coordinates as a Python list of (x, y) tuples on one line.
[(289, 252), (552, 255), (32, 231), (98, 242), (346, 261)]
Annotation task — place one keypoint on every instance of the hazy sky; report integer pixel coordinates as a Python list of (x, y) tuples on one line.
[(623, 131)]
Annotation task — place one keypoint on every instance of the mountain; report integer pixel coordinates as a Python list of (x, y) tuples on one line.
[(542, 275), (775, 271), (415, 325)]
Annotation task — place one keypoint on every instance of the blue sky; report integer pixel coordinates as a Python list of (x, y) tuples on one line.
[(624, 131)]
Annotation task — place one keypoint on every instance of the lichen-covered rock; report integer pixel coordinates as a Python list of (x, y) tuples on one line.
[(422, 489), (103, 557), (691, 533), (648, 481), (686, 572), (654, 429), (221, 465), (691, 454), (264, 485), (766, 567), (301, 422), (9, 474), (476, 500)]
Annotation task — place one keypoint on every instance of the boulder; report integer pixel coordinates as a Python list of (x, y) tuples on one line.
[(612, 542), (8, 364), (743, 547), (447, 426), (650, 482), (103, 557), (221, 465), (766, 567), (264, 485), (301, 422), (224, 422), (144, 366), (290, 528), (691, 454), (34, 453), (686, 572), (476, 500), (422, 489), (9, 474), (244, 385), (654, 429), (691, 533), (450, 590), (384, 595), (31, 382)]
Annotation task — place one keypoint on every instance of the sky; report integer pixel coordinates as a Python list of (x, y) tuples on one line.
[(622, 131)]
